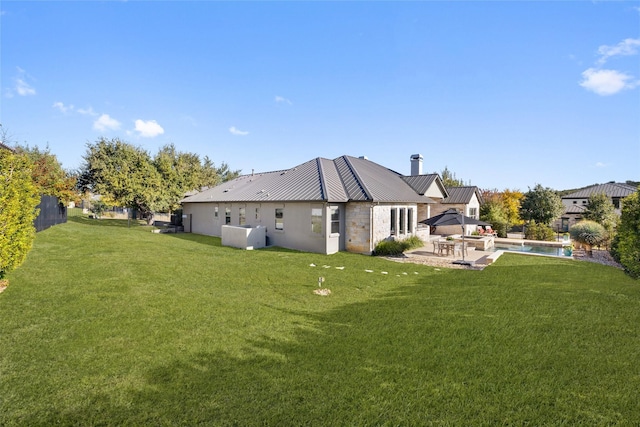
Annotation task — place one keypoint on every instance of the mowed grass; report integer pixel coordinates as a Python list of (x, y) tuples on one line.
[(110, 325)]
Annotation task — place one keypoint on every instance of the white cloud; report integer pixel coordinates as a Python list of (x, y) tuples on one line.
[(606, 82), (601, 165), (62, 108), (105, 122), (626, 47), (21, 86), (280, 99), (148, 129), (87, 111), (238, 132)]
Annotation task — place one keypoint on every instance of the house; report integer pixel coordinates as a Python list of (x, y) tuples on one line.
[(576, 202), (324, 206), (466, 199)]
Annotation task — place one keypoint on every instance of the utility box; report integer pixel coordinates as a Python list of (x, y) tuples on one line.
[(244, 237)]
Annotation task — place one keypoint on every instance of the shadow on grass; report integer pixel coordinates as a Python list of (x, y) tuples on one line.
[(422, 355)]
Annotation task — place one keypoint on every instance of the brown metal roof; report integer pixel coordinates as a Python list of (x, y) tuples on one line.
[(611, 189), (343, 179)]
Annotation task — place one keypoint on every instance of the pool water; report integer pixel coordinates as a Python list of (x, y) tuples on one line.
[(542, 250)]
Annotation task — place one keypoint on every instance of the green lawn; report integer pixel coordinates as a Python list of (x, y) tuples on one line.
[(110, 325)]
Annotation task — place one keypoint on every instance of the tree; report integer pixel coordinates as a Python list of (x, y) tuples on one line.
[(600, 209), (492, 212), (626, 244), (449, 178), (541, 205), (127, 175), (18, 201), (501, 209), (124, 174), (48, 175), (511, 200)]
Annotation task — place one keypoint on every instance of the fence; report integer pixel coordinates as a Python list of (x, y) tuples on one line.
[(52, 212)]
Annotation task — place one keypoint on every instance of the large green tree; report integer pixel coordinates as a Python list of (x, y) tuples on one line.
[(18, 201), (128, 176), (542, 205), (626, 245)]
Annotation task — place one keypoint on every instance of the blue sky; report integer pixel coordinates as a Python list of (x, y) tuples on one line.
[(504, 94)]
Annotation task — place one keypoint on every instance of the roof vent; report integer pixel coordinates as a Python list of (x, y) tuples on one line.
[(363, 157)]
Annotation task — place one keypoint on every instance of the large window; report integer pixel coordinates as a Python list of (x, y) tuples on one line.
[(402, 218), (242, 216), (279, 218), (316, 220), (335, 220), (473, 213), (227, 215)]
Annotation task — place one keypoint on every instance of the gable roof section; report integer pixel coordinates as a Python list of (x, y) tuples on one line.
[(462, 195), (611, 189), (422, 183), (340, 180)]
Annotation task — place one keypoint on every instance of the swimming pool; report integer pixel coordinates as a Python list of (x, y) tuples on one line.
[(532, 249)]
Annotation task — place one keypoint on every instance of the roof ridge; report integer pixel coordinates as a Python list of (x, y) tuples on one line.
[(323, 184), (358, 177)]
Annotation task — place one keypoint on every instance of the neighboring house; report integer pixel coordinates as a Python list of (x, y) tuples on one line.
[(576, 202), (324, 206)]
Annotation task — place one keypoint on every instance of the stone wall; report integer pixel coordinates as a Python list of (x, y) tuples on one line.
[(358, 227)]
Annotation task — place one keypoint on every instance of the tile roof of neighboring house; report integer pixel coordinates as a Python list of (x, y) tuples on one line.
[(575, 209), (421, 183), (343, 179), (462, 195), (611, 189)]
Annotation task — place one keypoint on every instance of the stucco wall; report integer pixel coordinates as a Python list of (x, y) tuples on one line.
[(297, 232)]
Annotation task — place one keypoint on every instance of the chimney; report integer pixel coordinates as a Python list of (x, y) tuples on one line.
[(416, 164)]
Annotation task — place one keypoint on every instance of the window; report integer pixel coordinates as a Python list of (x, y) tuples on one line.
[(279, 218), (215, 212), (402, 217), (257, 214), (473, 213), (316, 220), (616, 202), (410, 220), (227, 215), (335, 219), (393, 221), (242, 218)]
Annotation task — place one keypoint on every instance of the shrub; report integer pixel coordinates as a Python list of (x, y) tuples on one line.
[(626, 245), (413, 242), (536, 231), (397, 247), (588, 233), (18, 202)]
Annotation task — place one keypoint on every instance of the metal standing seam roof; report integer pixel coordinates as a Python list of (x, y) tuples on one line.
[(462, 195), (421, 183), (611, 189), (343, 179)]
